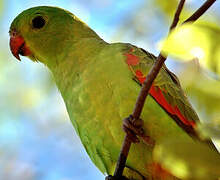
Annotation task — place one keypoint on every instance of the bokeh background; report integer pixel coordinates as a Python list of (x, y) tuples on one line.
[(37, 140)]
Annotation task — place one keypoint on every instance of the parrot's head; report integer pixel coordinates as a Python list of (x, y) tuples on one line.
[(45, 33)]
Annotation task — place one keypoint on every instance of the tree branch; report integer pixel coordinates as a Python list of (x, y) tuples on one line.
[(177, 15), (196, 15), (149, 80)]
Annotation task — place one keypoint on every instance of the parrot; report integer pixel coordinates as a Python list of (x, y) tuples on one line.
[(99, 83)]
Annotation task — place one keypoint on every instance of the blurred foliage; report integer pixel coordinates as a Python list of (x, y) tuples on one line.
[(202, 89), (200, 41), (210, 129), (188, 160)]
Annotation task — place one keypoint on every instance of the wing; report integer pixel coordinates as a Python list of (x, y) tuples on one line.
[(166, 89)]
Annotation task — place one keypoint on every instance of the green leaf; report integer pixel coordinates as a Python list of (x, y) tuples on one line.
[(199, 41), (188, 160)]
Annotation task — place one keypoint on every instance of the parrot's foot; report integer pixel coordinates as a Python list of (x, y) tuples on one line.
[(133, 128), (110, 177)]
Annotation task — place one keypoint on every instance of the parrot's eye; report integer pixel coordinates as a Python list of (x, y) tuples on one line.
[(38, 22)]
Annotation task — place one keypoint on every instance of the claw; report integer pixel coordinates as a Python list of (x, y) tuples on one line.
[(133, 128), (133, 138)]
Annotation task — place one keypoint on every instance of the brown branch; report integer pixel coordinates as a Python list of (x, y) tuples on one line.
[(122, 158), (177, 15), (149, 80), (196, 15)]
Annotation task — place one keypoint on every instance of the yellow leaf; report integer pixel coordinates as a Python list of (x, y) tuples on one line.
[(201, 41), (188, 159)]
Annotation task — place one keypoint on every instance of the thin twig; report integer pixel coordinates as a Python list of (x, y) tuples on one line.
[(149, 80), (141, 99), (177, 15), (196, 15)]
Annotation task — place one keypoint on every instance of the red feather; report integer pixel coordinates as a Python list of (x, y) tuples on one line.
[(131, 59), (157, 93)]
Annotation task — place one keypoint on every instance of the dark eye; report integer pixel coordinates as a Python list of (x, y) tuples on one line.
[(38, 22)]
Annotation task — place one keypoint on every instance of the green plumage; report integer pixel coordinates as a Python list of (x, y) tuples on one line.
[(100, 90)]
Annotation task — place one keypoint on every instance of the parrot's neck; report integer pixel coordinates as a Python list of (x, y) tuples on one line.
[(78, 54), (81, 55)]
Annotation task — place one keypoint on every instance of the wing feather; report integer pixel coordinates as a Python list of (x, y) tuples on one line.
[(166, 89)]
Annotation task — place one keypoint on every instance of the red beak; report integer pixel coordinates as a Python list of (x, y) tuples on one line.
[(18, 46)]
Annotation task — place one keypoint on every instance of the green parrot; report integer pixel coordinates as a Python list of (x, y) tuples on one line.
[(99, 83)]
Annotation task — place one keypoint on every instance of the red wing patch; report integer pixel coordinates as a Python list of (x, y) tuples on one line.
[(131, 60), (139, 75), (157, 94)]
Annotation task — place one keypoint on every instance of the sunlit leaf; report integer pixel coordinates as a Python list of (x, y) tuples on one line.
[(196, 41), (188, 160)]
